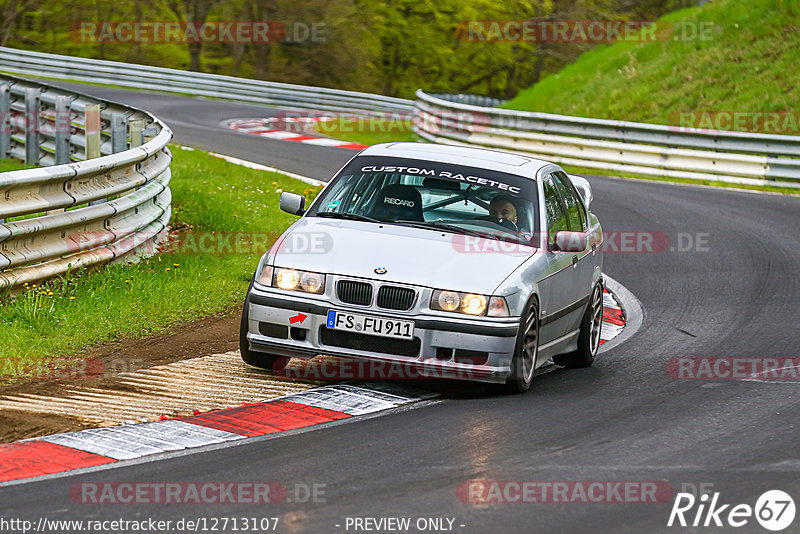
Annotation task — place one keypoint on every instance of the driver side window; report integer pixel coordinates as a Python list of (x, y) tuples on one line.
[(575, 214), (556, 215)]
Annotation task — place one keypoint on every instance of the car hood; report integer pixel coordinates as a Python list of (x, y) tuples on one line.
[(409, 255)]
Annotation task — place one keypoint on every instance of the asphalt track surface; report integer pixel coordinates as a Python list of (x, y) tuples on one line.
[(624, 419)]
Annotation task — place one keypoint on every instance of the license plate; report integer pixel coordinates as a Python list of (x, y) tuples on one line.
[(369, 324)]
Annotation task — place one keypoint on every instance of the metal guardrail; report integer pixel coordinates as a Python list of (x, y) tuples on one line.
[(472, 100), (102, 190), (282, 95), (620, 146)]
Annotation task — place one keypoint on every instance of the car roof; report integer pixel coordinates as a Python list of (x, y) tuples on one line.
[(484, 158)]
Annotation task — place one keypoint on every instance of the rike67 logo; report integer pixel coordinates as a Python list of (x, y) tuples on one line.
[(774, 510)]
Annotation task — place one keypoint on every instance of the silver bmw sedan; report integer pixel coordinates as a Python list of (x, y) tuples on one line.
[(438, 262)]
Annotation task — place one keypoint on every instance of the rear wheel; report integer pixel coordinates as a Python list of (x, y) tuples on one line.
[(589, 337), (256, 359), (523, 363)]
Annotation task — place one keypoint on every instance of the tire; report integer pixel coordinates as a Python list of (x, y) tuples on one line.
[(256, 359), (523, 363), (589, 337)]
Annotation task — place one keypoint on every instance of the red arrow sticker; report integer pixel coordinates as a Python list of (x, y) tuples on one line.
[(299, 318)]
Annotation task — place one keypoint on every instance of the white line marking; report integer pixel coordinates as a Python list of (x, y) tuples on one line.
[(324, 141), (280, 134)]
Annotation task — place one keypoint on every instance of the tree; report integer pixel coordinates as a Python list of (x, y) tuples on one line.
[(424, 44), (388, 46), (10, 12), (193, 12)]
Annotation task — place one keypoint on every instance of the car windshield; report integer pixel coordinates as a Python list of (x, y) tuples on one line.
[(433, 195)]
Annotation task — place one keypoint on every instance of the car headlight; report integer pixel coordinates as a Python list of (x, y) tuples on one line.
[(446, 300), (292, 279), (469, 303), (287, 279), (474, 304), (312, 282)]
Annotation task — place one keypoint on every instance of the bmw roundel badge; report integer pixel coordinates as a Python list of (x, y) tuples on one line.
[(380, 270)]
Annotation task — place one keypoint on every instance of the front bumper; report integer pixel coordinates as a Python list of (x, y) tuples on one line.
[(458, 347)]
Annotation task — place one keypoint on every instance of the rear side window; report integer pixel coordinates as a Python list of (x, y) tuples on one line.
[(556, 216), (576, 218)]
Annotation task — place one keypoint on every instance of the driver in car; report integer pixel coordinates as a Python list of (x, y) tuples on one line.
[(502, 207)]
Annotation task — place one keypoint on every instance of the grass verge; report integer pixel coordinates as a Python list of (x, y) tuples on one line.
[(722, 58), (225, 215), (7, 165), (368, 131)]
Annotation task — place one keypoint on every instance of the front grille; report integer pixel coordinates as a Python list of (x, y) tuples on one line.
[(365, 342), (351, 292), (396, 298)]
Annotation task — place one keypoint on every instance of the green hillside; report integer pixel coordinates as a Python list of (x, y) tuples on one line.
[(730, 58)]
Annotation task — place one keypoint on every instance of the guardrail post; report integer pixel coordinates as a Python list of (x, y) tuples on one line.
[(93, 139), (136, 127), (5, 120), (92, 122), (32, 126), (119, 133), (63, 124), (149, 133)]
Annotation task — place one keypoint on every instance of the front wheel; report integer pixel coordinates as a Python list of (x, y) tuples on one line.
[(523, 363), (589, 336)]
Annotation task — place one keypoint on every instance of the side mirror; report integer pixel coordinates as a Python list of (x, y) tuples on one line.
[(293, 203), (583, 187), (571, 241)]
